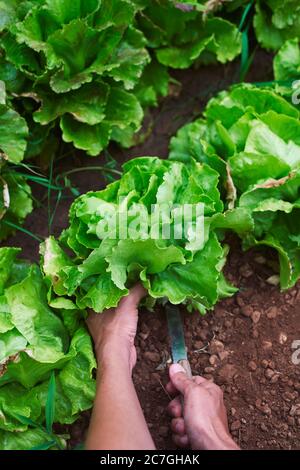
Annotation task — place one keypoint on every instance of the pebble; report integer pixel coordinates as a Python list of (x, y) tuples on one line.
[(256, 316), (216, 346), (272, 313), (247, 310), (213, 360), (152, 356), (269, 373), (223, 355), (264, 363), (252, 365), (267, 345), (227, 372), (282, 338)]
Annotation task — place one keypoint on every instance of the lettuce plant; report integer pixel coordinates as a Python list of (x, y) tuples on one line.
[(35, 341), (251, 137), (287, 69), (107, 259), (15, 193), (77, 63), (180, 34), (85, 65), (276, 21)]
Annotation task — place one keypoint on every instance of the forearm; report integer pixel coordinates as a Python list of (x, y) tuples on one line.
[(117, 421)]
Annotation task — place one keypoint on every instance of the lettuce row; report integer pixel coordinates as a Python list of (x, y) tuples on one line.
[(35, 340), (105, 264), (91, 66), (15, 193), (250, 136)]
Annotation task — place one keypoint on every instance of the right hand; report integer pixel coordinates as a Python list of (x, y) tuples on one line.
[(201, 423)]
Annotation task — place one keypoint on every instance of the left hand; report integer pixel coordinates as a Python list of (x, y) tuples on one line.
[(114, 330)]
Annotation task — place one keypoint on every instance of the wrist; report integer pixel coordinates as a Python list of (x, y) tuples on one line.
[(114, 354)]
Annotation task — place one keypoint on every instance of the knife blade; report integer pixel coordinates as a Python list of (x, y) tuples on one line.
[(178, 348)]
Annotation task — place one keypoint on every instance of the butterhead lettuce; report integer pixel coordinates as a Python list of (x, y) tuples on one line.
[(104, 264), (36, 340), (251, 136)]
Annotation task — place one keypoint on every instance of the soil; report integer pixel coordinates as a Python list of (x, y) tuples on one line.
[(245, 344)]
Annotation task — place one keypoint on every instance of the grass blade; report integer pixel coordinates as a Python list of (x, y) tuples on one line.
[(245, 15), (27, 421), (18, 227), (50, 404)]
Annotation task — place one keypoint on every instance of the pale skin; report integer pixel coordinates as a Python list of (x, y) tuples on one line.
[(117, 421)]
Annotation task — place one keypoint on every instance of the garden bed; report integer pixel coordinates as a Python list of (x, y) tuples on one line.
[(245, 344)]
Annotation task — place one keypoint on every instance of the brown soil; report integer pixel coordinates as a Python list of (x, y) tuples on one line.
[(245, 344)]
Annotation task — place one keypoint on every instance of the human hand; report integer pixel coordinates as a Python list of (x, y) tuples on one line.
[(114, 330), (202, 421)]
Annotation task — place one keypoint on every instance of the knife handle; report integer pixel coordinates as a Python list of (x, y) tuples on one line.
[(186, 365)]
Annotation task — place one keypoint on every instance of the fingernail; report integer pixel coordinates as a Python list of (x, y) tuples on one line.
[(175, 368)]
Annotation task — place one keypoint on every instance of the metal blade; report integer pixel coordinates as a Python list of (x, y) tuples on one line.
[(176, 333)]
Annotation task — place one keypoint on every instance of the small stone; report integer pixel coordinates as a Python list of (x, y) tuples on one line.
[(252, 366), (233, 411), (240, 301), (269, 373), (223, 355), (247, 310), (235, 425), (264, 363), (228, 372), (213, 360), (267, 345), (216, 347), (274, 380), (152, 356), (264, 427), (273, 280), (260, 259), (272, 313), (282, 338), (209, 370), (288, 396), (256, 316)]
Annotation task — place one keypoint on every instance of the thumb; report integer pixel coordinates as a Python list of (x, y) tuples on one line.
[(179, 378)]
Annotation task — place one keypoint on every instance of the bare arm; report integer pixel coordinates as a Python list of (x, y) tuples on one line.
[(117, 421)]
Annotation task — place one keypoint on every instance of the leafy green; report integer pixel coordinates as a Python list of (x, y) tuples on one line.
[(161, 252), (287, 69), (34, 341), (251, 137), (88, 67), (276, 22), (180, 36)]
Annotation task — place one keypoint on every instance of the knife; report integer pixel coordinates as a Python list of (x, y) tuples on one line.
[(178, 348)]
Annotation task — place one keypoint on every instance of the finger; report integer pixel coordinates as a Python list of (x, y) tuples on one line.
[(179, 378), (180, 441), (174, 408), (172, 391), (178, 426), (200, 380), (137, 293)]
